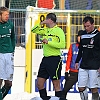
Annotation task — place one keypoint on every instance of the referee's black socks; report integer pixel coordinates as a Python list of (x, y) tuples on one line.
[(59, 94), (43, 94)]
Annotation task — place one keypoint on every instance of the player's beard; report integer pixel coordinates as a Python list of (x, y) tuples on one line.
[(3, 21)]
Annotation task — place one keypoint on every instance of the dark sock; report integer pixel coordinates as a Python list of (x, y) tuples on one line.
[(5, 90), (46, 98), (43, 94), (58, 93), (0, 94), (61, 98), (95, 95)]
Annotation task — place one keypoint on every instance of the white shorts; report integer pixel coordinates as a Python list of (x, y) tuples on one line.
[(89, 78), (6, 66)]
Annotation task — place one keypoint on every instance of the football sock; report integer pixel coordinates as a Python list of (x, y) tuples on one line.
[(0, 94), (5, 90), (84, 94), (95, 96), (43, 94), (58, 93)]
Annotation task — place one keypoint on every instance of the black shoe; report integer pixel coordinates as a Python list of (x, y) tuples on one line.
[(62, 98)]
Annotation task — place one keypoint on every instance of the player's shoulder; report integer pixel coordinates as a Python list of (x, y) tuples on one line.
[(97, 33), (84, 32), (59, 30), (10, 23)]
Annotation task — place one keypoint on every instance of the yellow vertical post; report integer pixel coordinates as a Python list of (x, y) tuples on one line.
[(28, 69), (33, 41), (68, 31)]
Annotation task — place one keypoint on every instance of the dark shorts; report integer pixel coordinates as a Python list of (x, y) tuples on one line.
[(50, 67)]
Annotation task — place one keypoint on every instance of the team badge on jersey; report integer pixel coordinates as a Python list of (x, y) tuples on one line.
[(49, 39), (9, 30), (91, 41)]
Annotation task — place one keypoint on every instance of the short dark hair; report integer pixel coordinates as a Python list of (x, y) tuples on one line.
[(52, 16), (2, 9), (88, 18)]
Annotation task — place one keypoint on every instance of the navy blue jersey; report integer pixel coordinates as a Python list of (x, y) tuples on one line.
[(89, 50)]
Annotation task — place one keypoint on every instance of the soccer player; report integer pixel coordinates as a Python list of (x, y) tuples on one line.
[(89, 51), (71, 74), (7, 47), (53, 40)]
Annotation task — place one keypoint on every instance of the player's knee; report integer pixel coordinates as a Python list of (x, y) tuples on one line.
[(81, 89), (94, 90), (56, 85), (0, 82), (40, 86), (8, 84)]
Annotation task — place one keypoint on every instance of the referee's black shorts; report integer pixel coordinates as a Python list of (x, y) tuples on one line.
[(50, 67)]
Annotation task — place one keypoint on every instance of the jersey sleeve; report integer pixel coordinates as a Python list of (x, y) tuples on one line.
[(13, 37), (61, 40), (38, 30), (79, 53), (69, 58)]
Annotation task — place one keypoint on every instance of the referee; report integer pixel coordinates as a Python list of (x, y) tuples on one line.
[(53, 39)]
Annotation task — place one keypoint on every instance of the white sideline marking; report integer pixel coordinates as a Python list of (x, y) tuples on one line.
[(27, 96)]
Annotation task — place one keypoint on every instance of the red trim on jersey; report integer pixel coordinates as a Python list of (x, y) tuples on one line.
[(69, 58)]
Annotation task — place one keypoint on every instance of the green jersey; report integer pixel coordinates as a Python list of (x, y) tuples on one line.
[(55, 37), (7, 37)]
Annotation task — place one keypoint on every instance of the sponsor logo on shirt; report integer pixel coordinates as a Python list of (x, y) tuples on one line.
[(88, 46)]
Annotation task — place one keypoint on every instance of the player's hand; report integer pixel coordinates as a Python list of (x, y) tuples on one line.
[(45, 41), (46, 21), (76, 66)]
